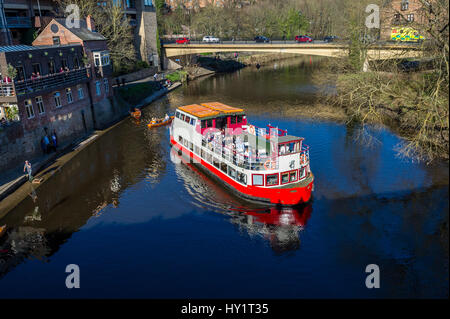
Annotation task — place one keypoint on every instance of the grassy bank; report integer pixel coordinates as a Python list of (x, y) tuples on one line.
[(177, 76)]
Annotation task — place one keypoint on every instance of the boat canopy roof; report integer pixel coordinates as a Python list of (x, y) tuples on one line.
[(222, 108), (288, 138), (199, 111)]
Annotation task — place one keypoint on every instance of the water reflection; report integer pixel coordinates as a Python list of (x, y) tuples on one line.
[(85, 188), (277, 224)]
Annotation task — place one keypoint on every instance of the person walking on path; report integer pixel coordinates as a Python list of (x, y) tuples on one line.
[(28, 169), (54, 139), (155, 77)]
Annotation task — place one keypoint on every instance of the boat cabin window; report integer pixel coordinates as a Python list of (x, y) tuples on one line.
[(216, 162), (284, 178), (221, 122), (232, 172), (242, 178), (188, 119), (302, 172), (293, 176), (232, 120), (239, 118), (271, 179), (193, 121), (223, 167), (203, 123), (177, 114), (257, 180), (182, 117)]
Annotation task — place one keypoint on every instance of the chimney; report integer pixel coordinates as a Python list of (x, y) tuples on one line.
[(90, 23)]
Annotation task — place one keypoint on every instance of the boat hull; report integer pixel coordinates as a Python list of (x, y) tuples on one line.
[(292, 194)]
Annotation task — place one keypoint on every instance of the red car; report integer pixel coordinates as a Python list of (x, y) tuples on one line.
[(302, 38), (182, 40)]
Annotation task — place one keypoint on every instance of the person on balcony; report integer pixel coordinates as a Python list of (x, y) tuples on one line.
[(7, 80)]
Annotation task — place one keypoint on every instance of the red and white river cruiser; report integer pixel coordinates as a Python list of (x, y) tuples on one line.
[(258, 164)]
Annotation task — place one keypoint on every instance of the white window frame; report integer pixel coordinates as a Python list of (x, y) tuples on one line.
[(98, 88), (29, 108), (40, 104), (69, 95), (101, 58), (57, 99)]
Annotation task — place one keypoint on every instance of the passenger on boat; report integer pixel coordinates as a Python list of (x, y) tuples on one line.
[(166, 118)]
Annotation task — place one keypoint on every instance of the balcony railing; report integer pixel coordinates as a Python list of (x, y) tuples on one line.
[(46, 82), (17, 22)]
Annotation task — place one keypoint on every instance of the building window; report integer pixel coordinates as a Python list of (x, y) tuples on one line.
[(76, 63), (257, 180), (69, 95), (106, 85), (410, 17), (20, 73), (40, 104), (80, 93), (57, 97), (51, 67), (37, 68), (56, 41), (404, 5), (98, 89), (148, 3), (101, 58), (29, 109)]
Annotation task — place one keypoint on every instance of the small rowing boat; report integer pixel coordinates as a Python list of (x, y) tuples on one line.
[(136, 114), (2, 230), (159, 122)]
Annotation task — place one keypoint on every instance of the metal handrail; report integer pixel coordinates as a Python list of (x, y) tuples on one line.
[(51, 81)]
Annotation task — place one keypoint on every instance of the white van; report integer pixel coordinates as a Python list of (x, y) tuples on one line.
[(211, 39)]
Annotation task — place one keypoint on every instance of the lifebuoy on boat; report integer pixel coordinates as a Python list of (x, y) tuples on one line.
[(269, 164), (251, 129), (303, 159)]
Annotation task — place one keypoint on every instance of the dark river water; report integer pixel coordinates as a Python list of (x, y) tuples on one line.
[(139, 225)]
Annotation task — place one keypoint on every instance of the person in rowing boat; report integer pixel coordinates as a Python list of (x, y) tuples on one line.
[(166, 118)]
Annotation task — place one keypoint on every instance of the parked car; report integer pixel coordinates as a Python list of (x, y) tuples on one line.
[(330, 38), (210, 39), (261, 39), (302, 38), (183, 41)]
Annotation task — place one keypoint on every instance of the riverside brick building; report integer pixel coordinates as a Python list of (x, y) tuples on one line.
[(42, 98), (62, 83)]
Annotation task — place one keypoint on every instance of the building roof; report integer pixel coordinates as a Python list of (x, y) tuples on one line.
[(82, 32), (198, 110), (16, 48), (222, 108)]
